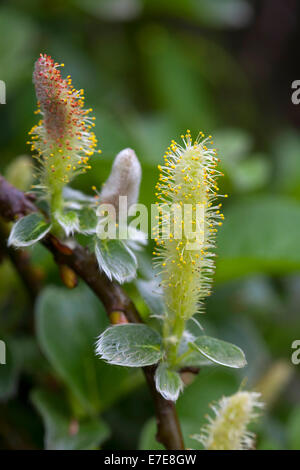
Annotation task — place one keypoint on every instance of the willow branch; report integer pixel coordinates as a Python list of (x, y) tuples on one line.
[(21, 261), (14, 204)]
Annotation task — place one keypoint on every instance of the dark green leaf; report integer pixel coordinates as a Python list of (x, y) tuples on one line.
[(68, 323), (62, 432)]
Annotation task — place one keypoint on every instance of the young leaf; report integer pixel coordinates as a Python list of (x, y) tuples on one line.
[(195, 359), (130, 345), (188, 357), (116, 260), (168, 382), (28, 230), (69, 222), (220, 352), (87, 220)]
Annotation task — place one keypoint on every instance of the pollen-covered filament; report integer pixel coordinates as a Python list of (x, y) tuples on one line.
[(63, 140), (187, 192)]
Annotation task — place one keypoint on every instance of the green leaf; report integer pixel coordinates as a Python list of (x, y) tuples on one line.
[(67, 325), (168, 382), (190, 357), (266, 238), (69, 221), (62, 432), (87, 220), (28, 230), (195, 359), (220, 352), (130, 345), (116, 260)]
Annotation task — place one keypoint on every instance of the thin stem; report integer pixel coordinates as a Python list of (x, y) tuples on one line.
[(183, 356), (173, 331), (56, 207)]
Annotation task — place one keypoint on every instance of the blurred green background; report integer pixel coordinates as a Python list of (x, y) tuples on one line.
[(150, 70)]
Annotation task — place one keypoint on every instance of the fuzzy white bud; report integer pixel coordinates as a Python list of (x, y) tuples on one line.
[(124, 180)]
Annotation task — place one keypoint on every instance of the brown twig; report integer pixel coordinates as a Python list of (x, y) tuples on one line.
[(14, 203), (21, 261)]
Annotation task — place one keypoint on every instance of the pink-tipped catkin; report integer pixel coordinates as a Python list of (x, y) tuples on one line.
[(63, 140)]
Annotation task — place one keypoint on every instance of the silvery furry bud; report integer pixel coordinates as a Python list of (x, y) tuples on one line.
[(124, 180)]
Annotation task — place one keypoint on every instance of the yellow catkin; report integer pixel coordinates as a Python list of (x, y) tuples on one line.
[(187, 180), (228, 429)]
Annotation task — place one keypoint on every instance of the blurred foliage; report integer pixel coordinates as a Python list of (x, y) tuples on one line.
[(151, 69)]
